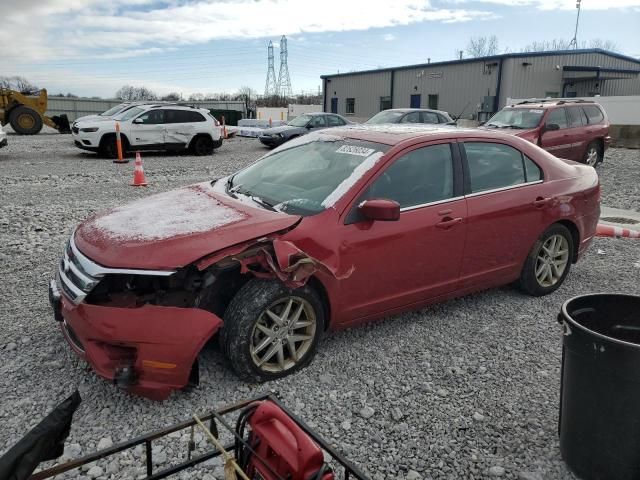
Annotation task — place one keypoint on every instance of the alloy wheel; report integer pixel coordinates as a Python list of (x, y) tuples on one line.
[(592, 156), (283, 334), (552, 260)]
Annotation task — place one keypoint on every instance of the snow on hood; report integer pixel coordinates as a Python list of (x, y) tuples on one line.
[(166, 215)]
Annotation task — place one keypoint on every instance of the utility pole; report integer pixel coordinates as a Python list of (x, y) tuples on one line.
[(574, 40)]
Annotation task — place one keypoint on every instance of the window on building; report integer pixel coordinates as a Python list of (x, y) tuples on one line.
[(385, 103), (494, 165), (433, 102), (551, 94), (593, 113), (351, 106), (557, 116), (421, 176)]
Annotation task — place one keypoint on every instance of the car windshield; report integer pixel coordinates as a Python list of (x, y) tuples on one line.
[(300, 121), (387, 116), (127, 114), (113, 110), (308, 177), (516, 118)]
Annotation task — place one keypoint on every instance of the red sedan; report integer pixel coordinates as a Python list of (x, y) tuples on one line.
[(325, 232)]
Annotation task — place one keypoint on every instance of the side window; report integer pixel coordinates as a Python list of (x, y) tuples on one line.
[(318, 121), (173, 116), (422, 176), (593, 114), (413, 117), (334, 121), (531, 170), (194, 117), (575, 116), (557, 116), (430, 117), (152, 117), (493, 165)]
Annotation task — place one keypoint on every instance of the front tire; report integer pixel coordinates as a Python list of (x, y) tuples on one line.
[(109, 147), (548, 262), (270, 331), (25, 120)]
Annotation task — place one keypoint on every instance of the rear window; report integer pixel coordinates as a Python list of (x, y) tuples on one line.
[(594, 115)]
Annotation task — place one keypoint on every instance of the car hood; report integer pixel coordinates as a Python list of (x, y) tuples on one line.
[(173, 229), (283, 129)]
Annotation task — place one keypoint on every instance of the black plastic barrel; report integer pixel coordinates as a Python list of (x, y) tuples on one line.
[(599, 423)]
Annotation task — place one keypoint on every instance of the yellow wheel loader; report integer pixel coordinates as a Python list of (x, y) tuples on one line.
[(26, 113)]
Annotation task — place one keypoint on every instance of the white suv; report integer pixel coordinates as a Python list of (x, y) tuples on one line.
[(151, 127)]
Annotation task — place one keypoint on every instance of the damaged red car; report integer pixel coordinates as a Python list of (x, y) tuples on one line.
[(325, 232)]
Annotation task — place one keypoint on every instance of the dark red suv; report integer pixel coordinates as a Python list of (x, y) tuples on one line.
[(573, 129)]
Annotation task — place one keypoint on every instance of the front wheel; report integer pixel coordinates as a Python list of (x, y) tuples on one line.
[(548, 263), (270, 330)]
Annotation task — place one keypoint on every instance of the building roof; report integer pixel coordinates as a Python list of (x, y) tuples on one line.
[(489, 58)]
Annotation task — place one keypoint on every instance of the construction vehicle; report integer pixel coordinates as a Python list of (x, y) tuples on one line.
[(26, 112)]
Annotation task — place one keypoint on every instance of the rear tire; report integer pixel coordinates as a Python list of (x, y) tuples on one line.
[(261, 348), (548, 262), (25, 120), (202, 146), (594, 155)]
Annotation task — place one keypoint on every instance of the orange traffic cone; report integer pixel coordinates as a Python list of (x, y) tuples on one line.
[(138, 173), (224, 128), (270, 122), (611, 231)]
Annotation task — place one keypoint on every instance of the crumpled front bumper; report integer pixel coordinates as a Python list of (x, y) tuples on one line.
[(148, 350)]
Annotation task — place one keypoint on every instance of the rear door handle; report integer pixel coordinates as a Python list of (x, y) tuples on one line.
[(541, 202), (448, 222)]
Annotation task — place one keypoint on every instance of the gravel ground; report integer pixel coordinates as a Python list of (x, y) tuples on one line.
[(465, 389)]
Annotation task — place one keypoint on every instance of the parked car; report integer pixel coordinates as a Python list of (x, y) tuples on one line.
[(411, 115), (573, 129), (325, 232), (3, 138), (301, 125), (151, 127)]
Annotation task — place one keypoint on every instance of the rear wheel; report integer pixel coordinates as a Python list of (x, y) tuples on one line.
[(25, 120), (548, 263), (593, 155), (270, 330), (202, 146)]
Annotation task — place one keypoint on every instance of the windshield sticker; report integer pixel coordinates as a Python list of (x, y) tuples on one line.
[(353, 150), (536, 111)]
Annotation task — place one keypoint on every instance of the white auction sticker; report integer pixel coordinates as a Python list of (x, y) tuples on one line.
[(353, 150)]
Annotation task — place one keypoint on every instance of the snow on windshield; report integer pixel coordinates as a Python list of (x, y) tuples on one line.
[(165, 215), (352, 179)]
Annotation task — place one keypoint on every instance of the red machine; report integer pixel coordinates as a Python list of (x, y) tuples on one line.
[(278, 447)]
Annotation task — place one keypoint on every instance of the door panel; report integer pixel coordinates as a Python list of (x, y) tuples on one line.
[(334, 105), (557, 142), (419, 256), (150, 132), (179, 131), (416, 100)]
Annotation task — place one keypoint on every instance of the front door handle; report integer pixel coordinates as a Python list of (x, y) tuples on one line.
[(448, 222), (541, 202)]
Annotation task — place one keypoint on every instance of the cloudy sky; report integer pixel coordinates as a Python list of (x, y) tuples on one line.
[(92, 47)]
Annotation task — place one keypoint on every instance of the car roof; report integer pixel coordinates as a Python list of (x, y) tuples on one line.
[(394, 134), (549, 103), (407, 110)]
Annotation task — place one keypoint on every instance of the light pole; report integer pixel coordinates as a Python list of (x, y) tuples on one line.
[(574, 40)]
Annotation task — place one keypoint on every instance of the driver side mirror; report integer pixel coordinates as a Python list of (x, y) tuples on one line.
[(551, 127), (380, 209), (137, 120)]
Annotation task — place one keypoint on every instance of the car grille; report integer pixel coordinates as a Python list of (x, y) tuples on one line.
[(75, 130), (75, 281)]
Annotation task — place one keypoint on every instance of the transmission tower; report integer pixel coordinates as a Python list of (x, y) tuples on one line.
[(574, 40), (271, 87), (284, 82)]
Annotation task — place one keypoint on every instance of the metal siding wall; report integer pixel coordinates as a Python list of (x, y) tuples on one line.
[(366, 89), (78, 107), (542, 76), (460, 85)]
